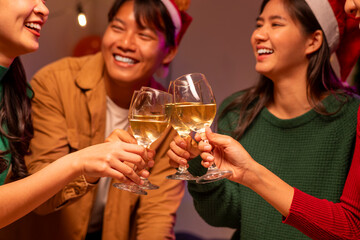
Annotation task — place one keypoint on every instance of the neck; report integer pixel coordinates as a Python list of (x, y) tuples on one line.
[(290, 97), (5, 61), (121, 92)]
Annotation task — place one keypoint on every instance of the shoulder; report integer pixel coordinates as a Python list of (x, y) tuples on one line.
[(65, 64), (62, 67)]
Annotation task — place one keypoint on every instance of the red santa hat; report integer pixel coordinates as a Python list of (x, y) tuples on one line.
[(180, 18), (341, 31)]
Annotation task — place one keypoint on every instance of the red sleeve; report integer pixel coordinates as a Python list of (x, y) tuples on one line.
[(321, 219)]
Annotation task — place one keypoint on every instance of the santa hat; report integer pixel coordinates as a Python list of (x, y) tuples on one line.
[(341, 31), (180, 18), (181, 21)]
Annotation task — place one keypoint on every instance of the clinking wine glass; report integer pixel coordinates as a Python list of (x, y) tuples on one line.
[(182, 173), (148, 120), (195, 106)]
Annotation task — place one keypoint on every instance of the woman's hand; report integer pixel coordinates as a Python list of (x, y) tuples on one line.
[(119, 157), (228, 154), (181, 150), (122, 135)]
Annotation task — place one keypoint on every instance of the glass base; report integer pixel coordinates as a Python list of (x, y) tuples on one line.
[(182, 176), (148, 185), (213, 175), (134, 188)]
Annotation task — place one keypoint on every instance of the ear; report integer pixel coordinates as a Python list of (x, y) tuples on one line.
[(172, 51), (314, 42)]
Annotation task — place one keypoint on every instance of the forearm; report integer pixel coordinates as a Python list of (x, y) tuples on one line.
[(20, 197)]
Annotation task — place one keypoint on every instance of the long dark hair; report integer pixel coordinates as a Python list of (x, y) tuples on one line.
[(15, 118), (321, 78), (150, 12)]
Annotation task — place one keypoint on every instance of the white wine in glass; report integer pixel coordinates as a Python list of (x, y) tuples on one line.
[(184, 132), (195, 106), (148, 119)]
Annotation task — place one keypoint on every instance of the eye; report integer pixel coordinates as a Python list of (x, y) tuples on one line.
[(147, 35), (117, 28), (275, 24)]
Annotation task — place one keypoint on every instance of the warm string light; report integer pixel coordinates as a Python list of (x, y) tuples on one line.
[(81, 15)]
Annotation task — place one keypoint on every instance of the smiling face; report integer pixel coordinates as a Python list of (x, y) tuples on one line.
[(20, 25), (133, 53), (278, 42)]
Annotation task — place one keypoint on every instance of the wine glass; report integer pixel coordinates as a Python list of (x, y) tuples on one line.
[(195, 106), (148, 120), (182, 173)]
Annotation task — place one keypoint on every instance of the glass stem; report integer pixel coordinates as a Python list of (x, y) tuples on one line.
[(182, 168)]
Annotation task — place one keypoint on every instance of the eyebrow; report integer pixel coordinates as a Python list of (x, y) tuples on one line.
[(118, 20), (274, 17)]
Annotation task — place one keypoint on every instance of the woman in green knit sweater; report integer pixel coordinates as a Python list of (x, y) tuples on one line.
[(298, 126), (20, 25)]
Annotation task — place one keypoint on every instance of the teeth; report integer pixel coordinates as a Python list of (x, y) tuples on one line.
[(33, 26), (264, 51), (124, 59)]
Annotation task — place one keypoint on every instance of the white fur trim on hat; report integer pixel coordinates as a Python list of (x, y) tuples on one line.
[(174, 13), (327, 20)]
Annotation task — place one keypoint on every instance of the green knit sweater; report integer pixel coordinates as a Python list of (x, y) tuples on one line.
[(4, 145), (311, 152)]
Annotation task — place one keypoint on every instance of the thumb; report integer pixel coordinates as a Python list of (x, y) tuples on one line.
[(217, 139)]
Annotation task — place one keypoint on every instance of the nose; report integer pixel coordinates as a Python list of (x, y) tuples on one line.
[(41, 9), (127, 41), (351, 8), (260, 34)]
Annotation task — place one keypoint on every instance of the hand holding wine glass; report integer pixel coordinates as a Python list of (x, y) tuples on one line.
[(195, 106), (148, 119)]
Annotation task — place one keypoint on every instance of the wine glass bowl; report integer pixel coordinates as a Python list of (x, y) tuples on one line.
[(148, 119), (195, 106), (184, 132)]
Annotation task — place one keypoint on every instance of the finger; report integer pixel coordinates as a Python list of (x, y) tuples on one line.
[(144, 173), (133, 159), (129, 147), (218, 139), (126, 171), (179, 150), (150, 153), (175, 160), (197, 137), (207, 157), (205, 146), (180, 142), (122, 135)]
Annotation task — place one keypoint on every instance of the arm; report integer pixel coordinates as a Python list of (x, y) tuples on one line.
[(20, 197), (317, 218), (156, 211)]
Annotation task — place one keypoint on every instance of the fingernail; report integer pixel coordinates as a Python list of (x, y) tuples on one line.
[(186, 155), (141, 182), (183, 145), (151, 163), (207, 148), (183, 162), (210, 158), (150, 154)]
